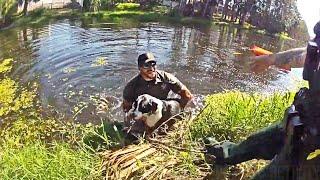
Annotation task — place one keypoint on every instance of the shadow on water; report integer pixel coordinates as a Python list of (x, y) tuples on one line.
[(82, 68)]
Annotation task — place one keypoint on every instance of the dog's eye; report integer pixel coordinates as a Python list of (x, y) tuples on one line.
[(144, 108)]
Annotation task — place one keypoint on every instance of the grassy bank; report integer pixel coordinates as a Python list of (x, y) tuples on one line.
[(120, 16), (234, 115), (37, 147)]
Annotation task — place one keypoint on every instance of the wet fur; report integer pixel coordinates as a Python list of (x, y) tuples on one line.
[(152, 111)]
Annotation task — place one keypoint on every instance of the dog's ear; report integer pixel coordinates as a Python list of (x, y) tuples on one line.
[(154, 106)]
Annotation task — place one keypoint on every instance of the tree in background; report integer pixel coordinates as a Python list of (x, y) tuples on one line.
[(7, 7), (25, 4), (275, 15)]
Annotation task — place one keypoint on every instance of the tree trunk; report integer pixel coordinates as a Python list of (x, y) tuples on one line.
[(247, 9), (233, 11), (268, 5), (205, 9), (225, 10), (25, 7), (182, 4)]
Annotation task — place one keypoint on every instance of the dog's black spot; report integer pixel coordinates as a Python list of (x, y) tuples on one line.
[(145, 107), (154, 106)]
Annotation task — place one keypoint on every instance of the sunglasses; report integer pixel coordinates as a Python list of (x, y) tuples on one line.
[(149, 65)]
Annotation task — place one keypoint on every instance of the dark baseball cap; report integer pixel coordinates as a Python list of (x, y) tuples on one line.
[(145, 58)]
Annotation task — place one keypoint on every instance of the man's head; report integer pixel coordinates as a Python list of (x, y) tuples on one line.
[(316, 29), (311, 71), (147, 66)]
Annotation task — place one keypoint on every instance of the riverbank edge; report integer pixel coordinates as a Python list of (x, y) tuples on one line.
[(162, 14), (26, 143)]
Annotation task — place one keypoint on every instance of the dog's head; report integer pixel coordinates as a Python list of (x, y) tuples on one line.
[(147, 108)]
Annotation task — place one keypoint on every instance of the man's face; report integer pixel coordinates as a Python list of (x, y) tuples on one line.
[(148, 70)]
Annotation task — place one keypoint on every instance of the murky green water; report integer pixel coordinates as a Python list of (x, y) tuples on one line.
[(76, 64)]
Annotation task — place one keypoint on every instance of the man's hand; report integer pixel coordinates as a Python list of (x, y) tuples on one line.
[(186, 96), (126, 105)]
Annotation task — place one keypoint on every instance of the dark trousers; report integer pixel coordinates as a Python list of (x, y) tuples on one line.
[(264, 144)]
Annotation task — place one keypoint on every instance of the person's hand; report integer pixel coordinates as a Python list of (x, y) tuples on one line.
[(191, 104)]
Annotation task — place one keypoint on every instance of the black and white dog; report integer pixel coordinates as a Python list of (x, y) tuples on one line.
[(153, 112)]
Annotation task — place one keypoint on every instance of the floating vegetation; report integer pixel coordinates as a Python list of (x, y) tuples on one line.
[(6, 65), (69, 70), (100, 61), (13, 98), (79, 108)]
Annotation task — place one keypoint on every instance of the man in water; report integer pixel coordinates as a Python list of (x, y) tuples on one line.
[(153, 82), (288, 143)]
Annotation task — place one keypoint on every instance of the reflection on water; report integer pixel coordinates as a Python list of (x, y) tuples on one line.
[(77, 64)]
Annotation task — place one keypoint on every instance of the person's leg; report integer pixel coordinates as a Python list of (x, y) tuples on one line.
[(261, 145)]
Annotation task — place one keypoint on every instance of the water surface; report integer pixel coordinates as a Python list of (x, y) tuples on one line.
[(77, 64)]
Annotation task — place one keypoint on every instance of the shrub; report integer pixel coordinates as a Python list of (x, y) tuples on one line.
[(127, 6)]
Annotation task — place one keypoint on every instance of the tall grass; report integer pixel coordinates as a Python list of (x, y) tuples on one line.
[(38, 161), (34, 147), (234, 115)]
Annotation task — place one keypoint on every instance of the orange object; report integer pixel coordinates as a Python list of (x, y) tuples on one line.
[(258, 51)]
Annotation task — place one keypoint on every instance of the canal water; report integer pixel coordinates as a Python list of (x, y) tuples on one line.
[(82, 68)]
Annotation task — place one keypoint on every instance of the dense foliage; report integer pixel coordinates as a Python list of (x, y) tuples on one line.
[(7, 8), (275, 16), (272, 15)]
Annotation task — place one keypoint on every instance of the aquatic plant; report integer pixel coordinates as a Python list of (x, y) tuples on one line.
[(12, 99)]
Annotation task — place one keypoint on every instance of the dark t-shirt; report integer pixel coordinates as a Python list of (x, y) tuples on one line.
[(159, 88)]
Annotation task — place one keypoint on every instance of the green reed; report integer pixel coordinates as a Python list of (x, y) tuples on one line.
[(234, 115), (42, 161)]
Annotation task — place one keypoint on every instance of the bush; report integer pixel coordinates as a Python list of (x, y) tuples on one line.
[(127, 6), (38, 12)]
